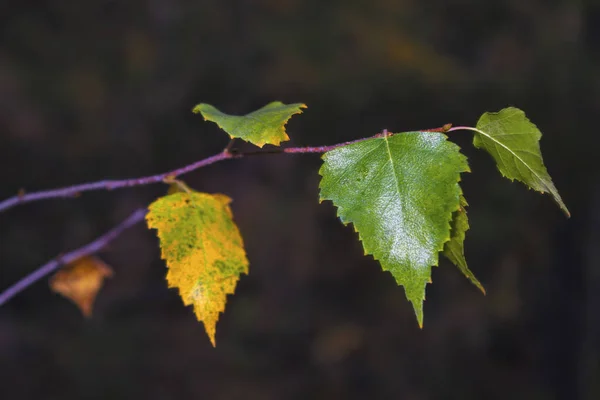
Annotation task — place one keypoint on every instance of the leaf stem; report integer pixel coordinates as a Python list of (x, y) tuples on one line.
[(229, 145), (62, 260), (466, 128)]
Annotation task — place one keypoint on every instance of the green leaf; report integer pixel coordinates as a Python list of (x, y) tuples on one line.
[(513, 142), (203, 249), (263, 126), (454, 248), (399, 192)]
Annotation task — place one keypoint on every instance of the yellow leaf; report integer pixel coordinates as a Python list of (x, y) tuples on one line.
[(80, 281), (203, 249)]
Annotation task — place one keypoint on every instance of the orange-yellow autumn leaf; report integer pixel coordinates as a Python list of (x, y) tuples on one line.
[(80, 281), (203, 249)]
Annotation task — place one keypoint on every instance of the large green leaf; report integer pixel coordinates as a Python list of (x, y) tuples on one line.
[(263, 126), (454, 248), (513, 142), (400, 192)]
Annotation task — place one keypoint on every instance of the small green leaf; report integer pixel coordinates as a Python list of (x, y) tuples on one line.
[(400, 192), (513, 142), (454, 249), (263, 126)]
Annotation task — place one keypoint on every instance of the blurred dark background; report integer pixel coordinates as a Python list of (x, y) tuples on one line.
[(104, 89)]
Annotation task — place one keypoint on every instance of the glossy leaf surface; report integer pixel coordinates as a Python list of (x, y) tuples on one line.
[(399, 192)]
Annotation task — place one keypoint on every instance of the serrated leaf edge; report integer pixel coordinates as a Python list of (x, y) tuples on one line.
[(225, 200), (461, 257), (552, 189), (448, 220)]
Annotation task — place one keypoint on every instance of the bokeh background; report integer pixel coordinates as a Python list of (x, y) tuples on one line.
[(104, 89)]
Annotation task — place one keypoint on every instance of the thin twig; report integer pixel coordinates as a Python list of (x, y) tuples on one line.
[(76, 190), (58, 262), (139, 215), (73, 191), (441, 129)]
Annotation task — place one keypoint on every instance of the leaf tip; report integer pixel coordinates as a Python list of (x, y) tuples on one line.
[(210, 324), (418, 308), (478, 285), (565, 210), (198, 108), (420, 319), (474, 280)]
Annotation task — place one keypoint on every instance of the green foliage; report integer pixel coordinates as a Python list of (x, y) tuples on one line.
[(513, 141), (454, 249), (400, 192), (263, 126)]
